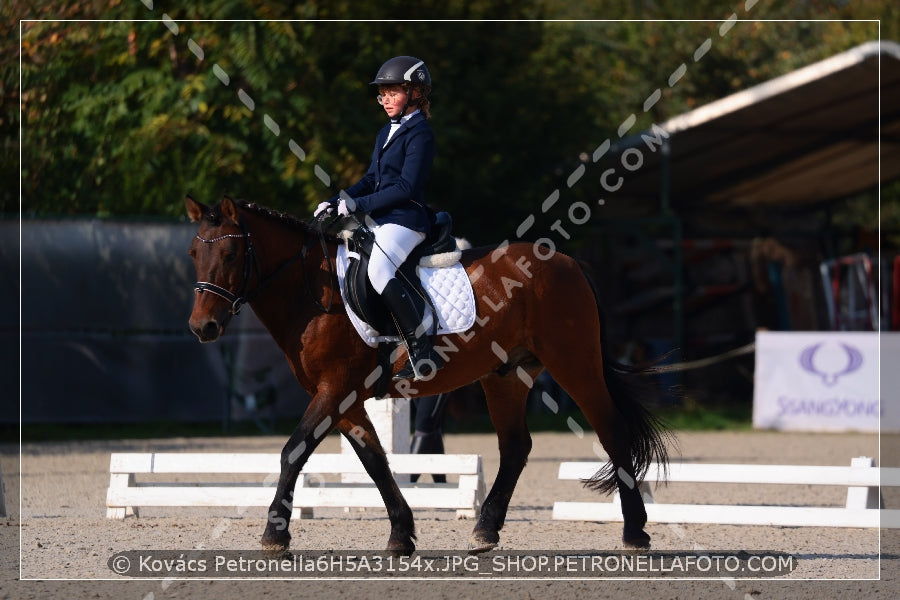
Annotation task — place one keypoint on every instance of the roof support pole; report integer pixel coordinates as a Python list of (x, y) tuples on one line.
[(665, 206)]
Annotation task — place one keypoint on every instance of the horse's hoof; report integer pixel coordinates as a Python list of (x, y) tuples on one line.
[(400, 548), (274, 549), (482, 541), (639, 540), (275, 544)]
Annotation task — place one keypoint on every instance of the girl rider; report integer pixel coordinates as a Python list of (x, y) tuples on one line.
[(392, 194)]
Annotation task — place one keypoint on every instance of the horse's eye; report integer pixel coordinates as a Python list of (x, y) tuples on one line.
[(230, 256), (193, 252)]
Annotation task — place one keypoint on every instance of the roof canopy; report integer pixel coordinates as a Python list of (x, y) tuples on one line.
[(809, 137)]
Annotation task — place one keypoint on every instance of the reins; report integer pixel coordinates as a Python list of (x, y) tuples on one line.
[(332, 268)]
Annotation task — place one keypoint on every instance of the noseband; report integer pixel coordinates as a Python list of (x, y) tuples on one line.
[(251, 261)]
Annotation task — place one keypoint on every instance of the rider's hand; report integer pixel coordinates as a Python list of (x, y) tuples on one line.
[(346, 206), (326, 207)]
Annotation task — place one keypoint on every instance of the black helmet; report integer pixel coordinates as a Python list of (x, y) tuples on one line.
[(403, 69)]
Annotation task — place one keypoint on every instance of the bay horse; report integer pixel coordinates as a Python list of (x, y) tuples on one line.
[(536, 309)]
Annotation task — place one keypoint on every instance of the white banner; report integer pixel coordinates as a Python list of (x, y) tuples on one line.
[(824, 381), (890, 381)]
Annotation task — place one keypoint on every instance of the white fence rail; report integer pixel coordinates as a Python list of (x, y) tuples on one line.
[(126, 494), (863, 508)]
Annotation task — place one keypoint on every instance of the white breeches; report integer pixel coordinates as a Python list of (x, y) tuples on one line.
[(393, 243)]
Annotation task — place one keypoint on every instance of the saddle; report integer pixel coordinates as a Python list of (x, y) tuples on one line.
[(438, 249)]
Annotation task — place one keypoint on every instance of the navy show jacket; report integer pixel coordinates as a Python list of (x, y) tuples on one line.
[(393, 189)]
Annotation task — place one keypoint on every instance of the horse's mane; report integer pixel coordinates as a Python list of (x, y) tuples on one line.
[(305, 227)]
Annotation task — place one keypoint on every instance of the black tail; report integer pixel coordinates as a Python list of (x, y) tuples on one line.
[(631, 389)]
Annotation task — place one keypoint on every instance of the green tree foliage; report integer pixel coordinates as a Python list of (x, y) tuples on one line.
[(123, 117)]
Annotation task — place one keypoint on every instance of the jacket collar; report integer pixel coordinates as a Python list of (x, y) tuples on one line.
[(406, 124)]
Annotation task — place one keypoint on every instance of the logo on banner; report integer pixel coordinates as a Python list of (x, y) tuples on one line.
[(828, 368)]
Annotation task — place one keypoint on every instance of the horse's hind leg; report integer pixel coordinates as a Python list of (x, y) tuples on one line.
[(506, 398), (357, 428), (585, 383)]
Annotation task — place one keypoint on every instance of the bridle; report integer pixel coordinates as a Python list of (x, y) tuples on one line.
[(250, 260), (251, 263)]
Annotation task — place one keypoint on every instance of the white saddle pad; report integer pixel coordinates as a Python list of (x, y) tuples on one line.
[(450, 291)]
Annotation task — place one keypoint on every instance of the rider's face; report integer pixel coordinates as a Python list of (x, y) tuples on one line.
[(392, 98)]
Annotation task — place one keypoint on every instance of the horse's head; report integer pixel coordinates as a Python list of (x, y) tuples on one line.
[(223, 258)]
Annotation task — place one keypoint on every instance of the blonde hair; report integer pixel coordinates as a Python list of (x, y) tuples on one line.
[(422, 102)]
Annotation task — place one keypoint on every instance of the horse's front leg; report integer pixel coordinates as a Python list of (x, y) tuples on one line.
[(360, 432), (316, 422)]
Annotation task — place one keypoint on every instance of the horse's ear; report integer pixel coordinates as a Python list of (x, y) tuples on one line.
[(195, 210), (229, 210)]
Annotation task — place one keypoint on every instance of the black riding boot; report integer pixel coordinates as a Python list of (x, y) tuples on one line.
[(428, 443), (406, 313)]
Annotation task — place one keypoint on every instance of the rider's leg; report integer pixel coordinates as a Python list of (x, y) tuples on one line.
[(428, 437), (393, 244)]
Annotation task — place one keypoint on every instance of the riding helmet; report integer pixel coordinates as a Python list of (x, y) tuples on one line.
[(403, 69)]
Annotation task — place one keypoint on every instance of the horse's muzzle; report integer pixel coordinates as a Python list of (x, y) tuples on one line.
[(208, 330)]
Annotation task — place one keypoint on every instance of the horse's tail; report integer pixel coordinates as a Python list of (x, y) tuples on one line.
[(631, 389)]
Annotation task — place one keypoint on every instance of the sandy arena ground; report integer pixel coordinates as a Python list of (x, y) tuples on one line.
[(66, 540)]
